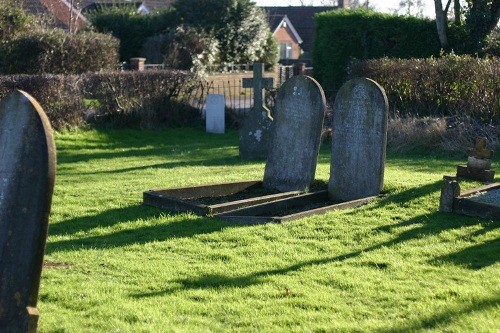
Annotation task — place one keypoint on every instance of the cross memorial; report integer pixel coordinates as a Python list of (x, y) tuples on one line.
[(478, 163), (254, 134), (258, 83)]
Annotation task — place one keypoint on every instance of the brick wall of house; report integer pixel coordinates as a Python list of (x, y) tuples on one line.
[(284, 35)]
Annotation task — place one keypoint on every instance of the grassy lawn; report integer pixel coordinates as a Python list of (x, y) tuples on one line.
[(395, 265)]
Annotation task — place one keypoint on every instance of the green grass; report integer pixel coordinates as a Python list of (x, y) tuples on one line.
[(395, 265)]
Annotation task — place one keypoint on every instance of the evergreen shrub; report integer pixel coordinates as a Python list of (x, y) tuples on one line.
[(57, 52), (342, 35)]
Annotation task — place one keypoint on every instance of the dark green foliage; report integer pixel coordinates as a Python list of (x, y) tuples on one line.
[(58, 52), (131, 28), (239, 26), (185, 48), (345, 34), (462, 86), (13, 20)]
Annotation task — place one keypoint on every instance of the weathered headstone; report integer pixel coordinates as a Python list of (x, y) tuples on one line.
[(215, 118), (295, 135), (254, 133), (358, 141), (27, 173), (478, 163), (449, 191)]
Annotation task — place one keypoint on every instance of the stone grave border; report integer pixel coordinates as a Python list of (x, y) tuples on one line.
[(463, 203), (256, 210)]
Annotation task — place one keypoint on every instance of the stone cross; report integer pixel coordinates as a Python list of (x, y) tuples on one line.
[(478, 163), (480, 151), (255, 130), (258, 83), (27, 173)]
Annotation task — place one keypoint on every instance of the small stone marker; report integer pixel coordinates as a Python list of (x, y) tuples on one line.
[(478, 163), (255, 131), (27, 173), (358, 141), (449, 191), (295, 135), (215, 115)]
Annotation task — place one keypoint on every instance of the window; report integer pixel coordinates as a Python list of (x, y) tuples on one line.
[(285, 50)]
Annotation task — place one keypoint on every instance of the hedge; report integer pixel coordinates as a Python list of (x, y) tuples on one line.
[(463, 86), (58, 52), (133, 99), (342, 35)]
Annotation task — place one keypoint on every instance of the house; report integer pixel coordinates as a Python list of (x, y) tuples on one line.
[(301, 19), (139, 7), (62, 13), (288, 39)]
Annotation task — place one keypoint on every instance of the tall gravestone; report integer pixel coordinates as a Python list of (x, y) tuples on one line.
[(358, 140), (27, 173), (295, 135), (215, 115), (255, 131)]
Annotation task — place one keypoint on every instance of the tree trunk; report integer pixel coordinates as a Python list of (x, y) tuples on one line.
[(458, 12), (441, 23)]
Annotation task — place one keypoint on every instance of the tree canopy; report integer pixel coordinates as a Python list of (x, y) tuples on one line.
[(481, 18), (239, 26)]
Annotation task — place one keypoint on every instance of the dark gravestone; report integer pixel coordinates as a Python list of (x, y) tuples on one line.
[(358, 141), (27, 172), (295, 135), (254, 133)]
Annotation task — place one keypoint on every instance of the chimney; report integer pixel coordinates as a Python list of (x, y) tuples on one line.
[(343, 3)]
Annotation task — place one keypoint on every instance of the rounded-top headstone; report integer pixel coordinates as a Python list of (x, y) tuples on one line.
[(27, 173), (359, 137), (295, 135)]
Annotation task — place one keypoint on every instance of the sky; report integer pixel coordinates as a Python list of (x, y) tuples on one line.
[(386, 6)]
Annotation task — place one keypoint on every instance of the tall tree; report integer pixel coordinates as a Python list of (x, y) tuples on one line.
[(239, 25), (412, 7), (481, 17)]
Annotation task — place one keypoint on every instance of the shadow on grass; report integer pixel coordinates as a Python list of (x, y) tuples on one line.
[(435, 223), (449, 315), (232, 160), (173, 143), (182, 227)]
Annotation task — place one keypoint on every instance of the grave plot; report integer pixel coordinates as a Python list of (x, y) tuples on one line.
[(289, 190), (481, 202), (291, 161), (212, 199)]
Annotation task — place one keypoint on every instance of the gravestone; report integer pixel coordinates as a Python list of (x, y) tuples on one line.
[(215, 117), (255, 131), (27, 173), (478, 163), (295, 135), (358, 141)]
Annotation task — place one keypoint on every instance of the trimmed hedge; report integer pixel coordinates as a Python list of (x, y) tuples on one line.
[(345, 34), (133, 99), (58, 52), (462, 86), (59, 95), (132, 29)]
